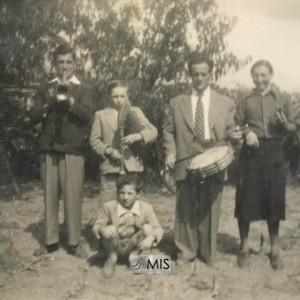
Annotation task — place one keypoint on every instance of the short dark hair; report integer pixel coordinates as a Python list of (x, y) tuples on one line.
[(62, 50), (262, 63), (116, 83), (130, 179), (195, 58)]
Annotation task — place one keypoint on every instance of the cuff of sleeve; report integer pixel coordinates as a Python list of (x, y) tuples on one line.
[(246, 131), (101, 150), (144, 141), (105, 150)]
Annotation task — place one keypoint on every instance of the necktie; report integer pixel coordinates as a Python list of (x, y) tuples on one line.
[(199, 120)]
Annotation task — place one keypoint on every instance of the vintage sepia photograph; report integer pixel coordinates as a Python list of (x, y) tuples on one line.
[(149, 149)]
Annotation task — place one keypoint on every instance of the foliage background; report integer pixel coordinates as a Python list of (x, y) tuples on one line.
[(142, 42)]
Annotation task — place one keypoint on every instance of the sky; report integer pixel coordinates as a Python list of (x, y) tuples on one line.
[(266, 29)]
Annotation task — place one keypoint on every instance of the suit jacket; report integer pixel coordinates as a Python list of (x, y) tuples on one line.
[(178, 130), (105, 133), (63, 127), (108, 216)]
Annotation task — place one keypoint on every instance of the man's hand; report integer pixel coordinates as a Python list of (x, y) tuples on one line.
[(170, 161), (71, 101), (108, 232), (131, 138), (147, 242), (113, 153), (252, 140)]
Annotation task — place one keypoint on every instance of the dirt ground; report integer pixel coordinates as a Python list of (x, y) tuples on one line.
[(61, 276)]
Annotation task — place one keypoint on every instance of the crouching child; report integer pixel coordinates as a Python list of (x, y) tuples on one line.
[(127, 226)]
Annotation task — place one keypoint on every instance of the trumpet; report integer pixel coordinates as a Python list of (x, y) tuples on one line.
[(62, 92)]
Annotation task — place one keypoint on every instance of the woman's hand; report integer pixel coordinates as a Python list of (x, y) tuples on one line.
[(252, 140), (280, 117)]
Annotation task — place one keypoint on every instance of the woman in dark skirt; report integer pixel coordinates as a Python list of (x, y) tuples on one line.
[(260, 193)]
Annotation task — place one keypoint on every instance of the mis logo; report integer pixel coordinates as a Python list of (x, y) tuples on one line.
[(150, 263)]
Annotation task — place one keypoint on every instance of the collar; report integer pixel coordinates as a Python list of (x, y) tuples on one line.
[(134, 210), (73, 80), (205, 93), (271, 88)]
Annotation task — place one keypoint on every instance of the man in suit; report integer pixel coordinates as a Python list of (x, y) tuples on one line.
[(194, 123), (64, 107), (106, 141)]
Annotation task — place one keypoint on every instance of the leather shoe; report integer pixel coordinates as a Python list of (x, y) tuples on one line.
[(77, 251), (276, 262), (45, 249), (243, 259), (108, 270)]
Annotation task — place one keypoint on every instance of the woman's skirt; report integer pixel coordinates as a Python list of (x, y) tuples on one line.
[(260, 193)]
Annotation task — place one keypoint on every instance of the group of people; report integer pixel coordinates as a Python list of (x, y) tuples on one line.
[(194, 122)]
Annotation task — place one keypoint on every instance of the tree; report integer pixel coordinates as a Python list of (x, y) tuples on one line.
[(143, 42)]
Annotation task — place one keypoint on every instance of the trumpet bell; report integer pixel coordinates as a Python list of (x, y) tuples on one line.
[(62, 92)]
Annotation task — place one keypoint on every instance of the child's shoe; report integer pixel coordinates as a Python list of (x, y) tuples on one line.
[(108, 270), (77, 251)]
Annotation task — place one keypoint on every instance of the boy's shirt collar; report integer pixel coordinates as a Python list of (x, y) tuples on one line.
[(134, 210), (73, 80)]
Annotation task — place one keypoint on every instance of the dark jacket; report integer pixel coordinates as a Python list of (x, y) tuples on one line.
[(259, 113), (63, 126)]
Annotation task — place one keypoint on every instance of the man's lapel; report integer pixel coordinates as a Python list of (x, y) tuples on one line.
[(215, 107), (186, 109)]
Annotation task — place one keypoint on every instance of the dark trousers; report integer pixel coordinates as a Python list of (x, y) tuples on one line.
[(197, 218)]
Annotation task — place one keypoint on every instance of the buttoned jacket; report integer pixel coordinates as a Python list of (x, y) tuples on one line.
[(178, 129), (105, 133), (108, 215), (63, 128), (259, 113)]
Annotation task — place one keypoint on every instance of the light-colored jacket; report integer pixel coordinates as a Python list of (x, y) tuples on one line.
[(104, 133), (178, 131), (108, 216)]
